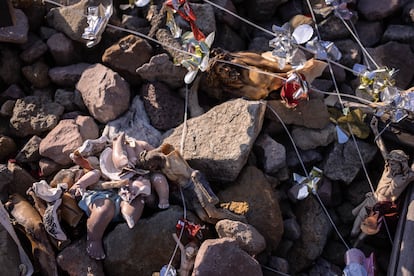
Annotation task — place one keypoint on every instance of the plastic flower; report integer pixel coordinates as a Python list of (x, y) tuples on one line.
[(286, 43), (295, 89), (200, 58), (305, 185), (376, 81), (324, 50)]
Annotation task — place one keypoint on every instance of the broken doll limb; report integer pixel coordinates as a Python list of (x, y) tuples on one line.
[(197, 191), (30, 222)]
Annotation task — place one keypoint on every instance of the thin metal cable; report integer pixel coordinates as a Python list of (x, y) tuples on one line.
[(271, 33), (290, 137), (348, 125), (132, 32), (184, 132), (331, 221), (358, 41), (364, 55), (179, 236), (307, 175)]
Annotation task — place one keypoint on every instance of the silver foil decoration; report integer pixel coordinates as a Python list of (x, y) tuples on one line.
[(97, 18), (201, 55), (324, 50), (376, 81), (305, 185), (286, 43), (339, 7)]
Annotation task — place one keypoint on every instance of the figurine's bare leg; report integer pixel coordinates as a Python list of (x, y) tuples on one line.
[(160, 184), (102, 212), (132, 212)]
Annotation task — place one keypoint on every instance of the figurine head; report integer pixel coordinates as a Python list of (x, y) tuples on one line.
[(397, 161), (397, 155)]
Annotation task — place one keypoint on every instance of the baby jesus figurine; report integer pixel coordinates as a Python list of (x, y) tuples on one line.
[(395, 178)]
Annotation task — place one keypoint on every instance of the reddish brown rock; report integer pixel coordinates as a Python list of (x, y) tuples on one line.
[(164, 108), (127, 55), (66, 137), (224, 257), (264, 211), (105, 93)]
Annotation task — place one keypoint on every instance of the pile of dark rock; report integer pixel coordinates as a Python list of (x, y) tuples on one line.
[(55, 93)]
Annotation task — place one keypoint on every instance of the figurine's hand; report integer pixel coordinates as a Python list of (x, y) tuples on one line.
[(76, 190)]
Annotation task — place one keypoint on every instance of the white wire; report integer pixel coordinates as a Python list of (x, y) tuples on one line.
[(358, 41)]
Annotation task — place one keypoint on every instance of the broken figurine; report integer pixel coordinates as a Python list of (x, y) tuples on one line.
[(100, 200), (395, 178), (198, 194)]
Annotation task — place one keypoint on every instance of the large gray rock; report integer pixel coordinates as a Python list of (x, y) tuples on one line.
[(271, 153), (68, 135), (164, 108), (69, 20), (17, 33), (67, 75), (307, 139), (135, 123), (223, 257), (75, 261), (351, 52), (105, 93), (33, 115), (343, 162), (311, 114), (315, 228), (247, 237), (219, 142), (161, 68), (145, 248), (263, 211)]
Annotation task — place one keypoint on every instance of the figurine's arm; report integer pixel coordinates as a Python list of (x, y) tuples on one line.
[(378, 140)]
